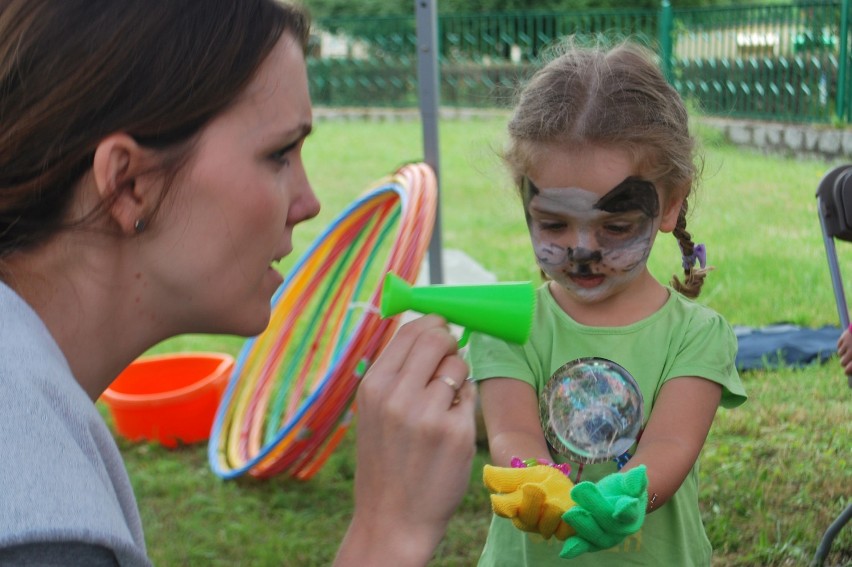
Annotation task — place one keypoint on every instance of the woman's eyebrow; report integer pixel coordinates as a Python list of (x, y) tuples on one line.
[(301, 131)]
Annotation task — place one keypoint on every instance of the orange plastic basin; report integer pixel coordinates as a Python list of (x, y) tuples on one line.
[(171, 399)]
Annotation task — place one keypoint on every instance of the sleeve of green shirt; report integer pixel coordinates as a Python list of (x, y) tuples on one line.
[(492, 358), (709, 351)]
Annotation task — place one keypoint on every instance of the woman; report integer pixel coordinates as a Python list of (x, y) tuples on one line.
[(150, 174)]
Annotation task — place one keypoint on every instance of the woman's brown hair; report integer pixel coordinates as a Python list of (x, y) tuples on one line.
[(74, 71), (614, 98)]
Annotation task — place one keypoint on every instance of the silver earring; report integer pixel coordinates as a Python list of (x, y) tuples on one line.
[(139, 225)]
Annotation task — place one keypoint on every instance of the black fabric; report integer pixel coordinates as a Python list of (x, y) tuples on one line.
[(57, 554), (782, 344)]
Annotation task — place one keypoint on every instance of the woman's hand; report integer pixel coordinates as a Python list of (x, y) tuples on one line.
[(416, 441)]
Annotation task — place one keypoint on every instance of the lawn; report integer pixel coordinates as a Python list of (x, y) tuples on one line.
[(775, 472)]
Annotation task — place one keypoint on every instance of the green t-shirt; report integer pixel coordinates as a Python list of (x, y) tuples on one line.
[(683, 338)]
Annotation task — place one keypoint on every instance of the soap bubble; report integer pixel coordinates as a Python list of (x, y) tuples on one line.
[(591, 410)]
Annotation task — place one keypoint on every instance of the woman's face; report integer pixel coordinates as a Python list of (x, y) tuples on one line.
[(232, 211), (592, 220)]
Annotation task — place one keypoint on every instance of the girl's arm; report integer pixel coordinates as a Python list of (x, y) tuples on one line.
[(510, 411), (675, 434)]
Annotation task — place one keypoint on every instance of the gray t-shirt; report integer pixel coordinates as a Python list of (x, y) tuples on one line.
[(64, 491)]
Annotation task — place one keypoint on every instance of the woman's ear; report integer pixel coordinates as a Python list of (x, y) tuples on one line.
[(118, 167)]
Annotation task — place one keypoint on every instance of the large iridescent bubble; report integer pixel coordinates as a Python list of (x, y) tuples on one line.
[(591, 410)]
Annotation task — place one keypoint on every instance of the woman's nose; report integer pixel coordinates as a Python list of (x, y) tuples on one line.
[(310, 204), (306, 205)]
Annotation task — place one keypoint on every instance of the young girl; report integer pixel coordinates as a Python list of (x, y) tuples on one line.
[(601, 154)]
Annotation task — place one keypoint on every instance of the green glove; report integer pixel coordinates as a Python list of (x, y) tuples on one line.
[(607, 512)]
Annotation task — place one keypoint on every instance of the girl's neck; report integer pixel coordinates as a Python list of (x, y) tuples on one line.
[(644, 297)]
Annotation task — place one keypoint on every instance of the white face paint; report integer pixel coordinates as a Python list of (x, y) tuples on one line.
[(593, 246)]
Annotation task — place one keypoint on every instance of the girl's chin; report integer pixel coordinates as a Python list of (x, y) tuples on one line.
[(585, 294), (588, 296)]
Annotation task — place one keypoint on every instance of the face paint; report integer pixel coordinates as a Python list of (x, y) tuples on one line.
[(589, 245)]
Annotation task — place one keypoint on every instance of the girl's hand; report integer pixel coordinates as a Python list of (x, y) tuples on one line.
[(534, 498), (606, 512), (415, 445)]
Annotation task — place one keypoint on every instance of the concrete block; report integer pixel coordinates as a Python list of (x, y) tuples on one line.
[(846, 143), (758, 136), (811, 140), (773, 133), (829, 142), (794, 139), (740, 134)]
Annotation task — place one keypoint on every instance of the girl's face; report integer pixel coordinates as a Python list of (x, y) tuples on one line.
[(592, 220), (232, 212)]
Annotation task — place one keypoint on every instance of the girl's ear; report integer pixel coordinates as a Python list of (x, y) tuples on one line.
[(118, 169), (671, 211)]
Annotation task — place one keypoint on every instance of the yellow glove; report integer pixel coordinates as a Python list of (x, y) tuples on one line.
[(534, 498)]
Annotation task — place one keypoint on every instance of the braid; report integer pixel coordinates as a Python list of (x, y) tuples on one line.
[(694, 275)]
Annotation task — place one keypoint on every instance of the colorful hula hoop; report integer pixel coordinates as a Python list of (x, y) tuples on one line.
[(290, 397)]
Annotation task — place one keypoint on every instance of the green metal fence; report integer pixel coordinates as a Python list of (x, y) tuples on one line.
[(783, 62)]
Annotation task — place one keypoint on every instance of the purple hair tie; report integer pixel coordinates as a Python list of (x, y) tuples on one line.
[(699, 254)]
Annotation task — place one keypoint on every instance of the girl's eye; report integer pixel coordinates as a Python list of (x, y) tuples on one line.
[(551, 226), (618, 228)]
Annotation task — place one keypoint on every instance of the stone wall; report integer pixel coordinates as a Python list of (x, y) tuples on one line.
[(786, 139)]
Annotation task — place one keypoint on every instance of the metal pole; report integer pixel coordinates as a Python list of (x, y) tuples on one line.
[(428, 94), (841, 106), (842, 310), (832, 531), (664, 36), (833, 269)]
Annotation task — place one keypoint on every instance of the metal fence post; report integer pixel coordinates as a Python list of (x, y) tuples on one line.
[(841, 107), (428, 93), (664, 34)]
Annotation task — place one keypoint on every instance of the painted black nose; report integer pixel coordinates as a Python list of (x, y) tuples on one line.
[(585, 256)]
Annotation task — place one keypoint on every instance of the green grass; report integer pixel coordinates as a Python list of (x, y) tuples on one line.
[(774, 472)]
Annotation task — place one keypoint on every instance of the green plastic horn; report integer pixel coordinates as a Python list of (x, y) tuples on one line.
[(502, 310)]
